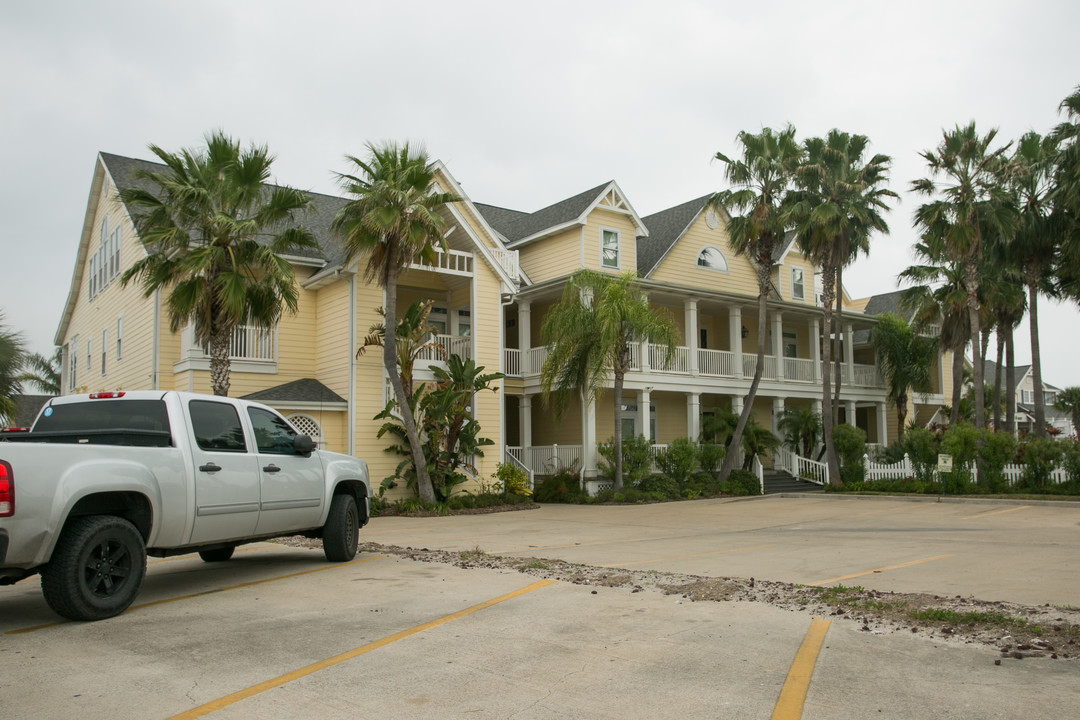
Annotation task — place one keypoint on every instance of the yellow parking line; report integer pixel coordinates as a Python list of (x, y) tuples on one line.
[(995, 512), (683, 557), (262, 687), (878, 570), (789, 705), (209, 592)]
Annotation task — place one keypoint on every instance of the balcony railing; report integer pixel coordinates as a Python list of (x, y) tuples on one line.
[(716, 363), (509, 261), (247, 343), (866, 376), (454, 262)]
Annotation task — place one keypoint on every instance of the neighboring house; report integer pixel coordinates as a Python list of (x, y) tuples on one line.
[(1025, 400), (492, 289), (27, 408)]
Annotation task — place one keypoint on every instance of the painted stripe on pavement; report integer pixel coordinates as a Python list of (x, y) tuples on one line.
[(789, 706), (879, 570)]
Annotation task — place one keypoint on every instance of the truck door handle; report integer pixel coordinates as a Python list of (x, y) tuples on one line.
[(271, 469), (209, 467)]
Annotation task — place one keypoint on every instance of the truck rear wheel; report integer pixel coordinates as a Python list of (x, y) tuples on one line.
[(96, 569), (341, 532)]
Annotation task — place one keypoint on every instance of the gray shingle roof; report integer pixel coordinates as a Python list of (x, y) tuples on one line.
[(990, 367), (515, 225), (306, 390), (665, 229), (27, 408)]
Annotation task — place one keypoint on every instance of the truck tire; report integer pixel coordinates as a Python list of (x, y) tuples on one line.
[(217, 554), (341, 532), (96, 569)]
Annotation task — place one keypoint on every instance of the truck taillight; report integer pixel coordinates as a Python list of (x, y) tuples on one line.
[(106, 395), (7, 490)]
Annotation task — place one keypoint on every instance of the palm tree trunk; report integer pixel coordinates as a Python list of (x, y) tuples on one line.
[(971, 279), (957, 382), (219, 359), (997, 377), (837, 360), (618, 486), (763, 272), (901, 415), (424, 488), (1036, 356), (827, 418)]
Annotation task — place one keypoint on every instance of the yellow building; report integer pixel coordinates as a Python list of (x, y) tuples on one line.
[(492, 289)]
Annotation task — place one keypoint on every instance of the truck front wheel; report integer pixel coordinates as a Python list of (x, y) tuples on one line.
[(342, 529), (96, 569)]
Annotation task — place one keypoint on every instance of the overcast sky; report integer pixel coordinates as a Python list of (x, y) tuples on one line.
[(525, 106)]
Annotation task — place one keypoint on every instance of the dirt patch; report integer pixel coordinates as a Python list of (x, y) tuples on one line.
[(1015, 631)]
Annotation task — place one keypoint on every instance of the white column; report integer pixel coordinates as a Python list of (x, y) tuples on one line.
[(588, 435), (693, 416), (849, 354), (849, 406), (643, 400), (736, 404), (883, 430), (525, 335), (735, 335), (525, 421), (691, 324), (778, 343), (777, 411), (815, 348)]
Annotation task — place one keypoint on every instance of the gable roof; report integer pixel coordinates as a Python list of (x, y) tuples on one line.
[(304, 392), (665, 229), (27, 408)]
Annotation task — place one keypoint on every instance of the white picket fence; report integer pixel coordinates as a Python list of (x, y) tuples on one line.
[(905, 468)]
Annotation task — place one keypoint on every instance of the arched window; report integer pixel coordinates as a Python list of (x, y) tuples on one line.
[(711, 258), (309, 426)]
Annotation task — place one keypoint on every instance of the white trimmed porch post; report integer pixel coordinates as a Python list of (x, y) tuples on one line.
[(882, 423), (777, 411), (525, 336), (643, 399), (735, 336), (849, 354), (691, 324), (778, 343), (588, 436), (849, 412), (815, 348), (525, 420), (693, 416)]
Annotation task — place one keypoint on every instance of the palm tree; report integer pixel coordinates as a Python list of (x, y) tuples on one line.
[(968, 203), (802, 428), (44, 372), (837, 207), (12, 352), (905, 357), (761, 181), (214, 235), (393, 220), (1068, 400), (589, 334)]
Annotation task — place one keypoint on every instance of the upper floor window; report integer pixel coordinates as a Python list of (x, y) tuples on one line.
[(120, 338), (89, 353), (104, 349), (798, 285), (711, 258), (609, 248), (73, 362), (104, 265)]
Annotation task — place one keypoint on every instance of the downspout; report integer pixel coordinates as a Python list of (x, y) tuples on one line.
[(350, 418), (155, 353)]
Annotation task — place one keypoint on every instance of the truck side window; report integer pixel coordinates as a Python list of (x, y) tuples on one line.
[(272, 433), (216, 426)]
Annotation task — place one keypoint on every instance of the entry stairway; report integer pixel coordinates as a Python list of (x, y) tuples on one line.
[(777, 481)]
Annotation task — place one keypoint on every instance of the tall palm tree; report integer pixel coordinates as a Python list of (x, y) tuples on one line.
[(12, 352), (589, 333), (1038, 238), (214, 234), (43, 372), (838, 205), (760, 182), (968, 201), (392, 221), (905, 356)]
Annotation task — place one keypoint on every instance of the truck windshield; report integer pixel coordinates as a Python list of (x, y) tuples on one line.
[(97, 415)]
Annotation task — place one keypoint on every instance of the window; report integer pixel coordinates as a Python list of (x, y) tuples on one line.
[(73, 361), (93, 276), (89, 353), (272, 434), (104, 349), (119, 338), (791, 344), (1026, 396), (609, 248), (114, 255), (216, 426), (798, 288), (464, 323), (438, 320), (710, 258)]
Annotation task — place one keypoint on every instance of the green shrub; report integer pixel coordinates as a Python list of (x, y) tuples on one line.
[(922, 446), (710, 456), (998, 450), (637, 460), (1071, 462), (741, 482), (850, 444), (562, 487), (512, 479), (660, 485), (680, 460), (1040, 457)]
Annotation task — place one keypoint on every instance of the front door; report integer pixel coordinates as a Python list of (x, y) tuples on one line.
[(292, 485)]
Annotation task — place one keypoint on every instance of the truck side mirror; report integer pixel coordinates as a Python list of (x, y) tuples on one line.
[(303, 445)]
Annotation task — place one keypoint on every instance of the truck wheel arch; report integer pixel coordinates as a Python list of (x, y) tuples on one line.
[(131, 506)]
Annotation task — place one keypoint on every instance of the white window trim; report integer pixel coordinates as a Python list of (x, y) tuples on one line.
[(89, 354), (727, 267), (618, 249), (802, 295), (119, 338), (104, 349)]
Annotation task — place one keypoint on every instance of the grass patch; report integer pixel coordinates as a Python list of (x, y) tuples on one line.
[(477, 553), (965, 618), (533, 565)]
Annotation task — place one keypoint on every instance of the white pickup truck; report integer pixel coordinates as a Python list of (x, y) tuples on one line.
[(101, 481)]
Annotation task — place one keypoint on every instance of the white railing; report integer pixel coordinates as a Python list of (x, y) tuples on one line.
[(1014, 473), (784, 460), (455, 262), (440, 346), (866, 376), (534, 360), (811, 470), (635, 356), (512, 362), (750, 362), (799, 370), (758, 470), (247, 343), (513, 456), (717, 363), (509, 261), (550, 459), (887, 471), (680, 361)]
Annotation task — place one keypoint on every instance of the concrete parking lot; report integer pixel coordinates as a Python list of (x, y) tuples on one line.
[(279, 633)]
